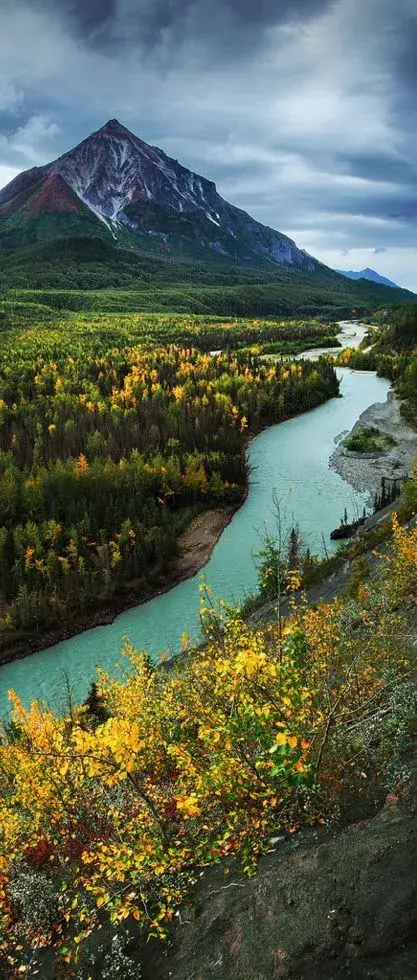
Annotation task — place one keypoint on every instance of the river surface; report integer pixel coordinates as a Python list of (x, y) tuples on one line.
[(290, 462)]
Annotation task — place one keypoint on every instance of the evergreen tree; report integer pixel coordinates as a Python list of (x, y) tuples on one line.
[(95, 706), (294, 548)]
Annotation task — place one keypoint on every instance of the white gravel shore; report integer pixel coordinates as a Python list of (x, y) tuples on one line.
[(364, 471)]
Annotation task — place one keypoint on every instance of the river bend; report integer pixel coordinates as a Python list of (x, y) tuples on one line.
[(290, 461)]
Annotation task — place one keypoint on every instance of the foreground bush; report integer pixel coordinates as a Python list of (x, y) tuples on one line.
[(109, 814)]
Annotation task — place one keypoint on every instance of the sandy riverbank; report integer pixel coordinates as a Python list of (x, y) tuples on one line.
[(364, 471), (195, 547)]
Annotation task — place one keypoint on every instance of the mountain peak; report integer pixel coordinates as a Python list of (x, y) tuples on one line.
[(115, 128), (368, 274)]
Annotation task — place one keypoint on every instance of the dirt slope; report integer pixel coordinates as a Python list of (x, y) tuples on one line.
[(324, 906)]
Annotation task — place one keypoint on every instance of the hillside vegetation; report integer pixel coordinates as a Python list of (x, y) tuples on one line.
[(94, 274), (109, 814)]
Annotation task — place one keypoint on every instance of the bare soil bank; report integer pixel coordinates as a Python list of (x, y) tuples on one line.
[(326, 905), (195, 547)]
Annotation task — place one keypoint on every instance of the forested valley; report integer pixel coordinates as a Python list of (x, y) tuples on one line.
[(111, 441)]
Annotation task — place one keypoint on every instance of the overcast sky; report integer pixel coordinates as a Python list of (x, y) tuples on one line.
[(304, 112)]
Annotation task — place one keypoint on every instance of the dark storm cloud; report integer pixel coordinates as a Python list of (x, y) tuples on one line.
[(92, 15), (400, 46), (153, 23), (377, 166)]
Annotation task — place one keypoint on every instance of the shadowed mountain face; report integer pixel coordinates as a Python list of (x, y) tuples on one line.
[(129, 186)]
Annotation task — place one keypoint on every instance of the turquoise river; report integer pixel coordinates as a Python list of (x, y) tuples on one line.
[(290, 461)]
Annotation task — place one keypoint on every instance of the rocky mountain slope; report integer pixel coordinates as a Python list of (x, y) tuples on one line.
[(116, 180), (324, 906)]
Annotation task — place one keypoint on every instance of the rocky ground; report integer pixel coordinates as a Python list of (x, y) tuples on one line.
[(326, 905), (364, 471)]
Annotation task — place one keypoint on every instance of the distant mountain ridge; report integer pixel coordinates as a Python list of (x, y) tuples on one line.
[(129, 187), (370, 275)]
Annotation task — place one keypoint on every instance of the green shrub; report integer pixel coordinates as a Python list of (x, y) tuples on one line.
[(368, 440)]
